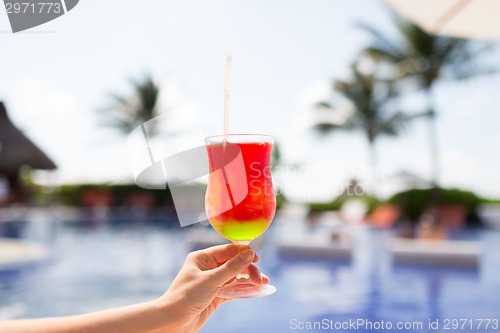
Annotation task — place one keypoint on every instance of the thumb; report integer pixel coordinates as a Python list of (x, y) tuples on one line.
[(231, 268)]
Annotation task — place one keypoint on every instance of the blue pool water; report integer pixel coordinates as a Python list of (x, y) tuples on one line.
[(101, 267)]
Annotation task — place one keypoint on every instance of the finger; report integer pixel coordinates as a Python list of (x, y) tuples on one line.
[(255, 259), (222, 253), (218, 276), (265, 279), (243, 247), (254, 274)]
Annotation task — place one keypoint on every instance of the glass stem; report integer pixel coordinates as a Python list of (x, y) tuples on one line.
[(243, 276)]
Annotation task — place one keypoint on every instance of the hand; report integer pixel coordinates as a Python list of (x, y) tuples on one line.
[(194, 291)]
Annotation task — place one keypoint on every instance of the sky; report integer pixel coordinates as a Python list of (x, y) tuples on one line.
[(56, 77)]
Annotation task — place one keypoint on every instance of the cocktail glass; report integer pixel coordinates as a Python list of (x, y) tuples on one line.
[(240, 202)]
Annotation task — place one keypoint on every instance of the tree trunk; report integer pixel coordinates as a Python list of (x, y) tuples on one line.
[(433, 138), (372, 168), (373, 154)]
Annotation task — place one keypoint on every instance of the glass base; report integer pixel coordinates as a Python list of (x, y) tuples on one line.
[(245, 290)]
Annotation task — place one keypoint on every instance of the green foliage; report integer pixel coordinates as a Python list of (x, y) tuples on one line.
[(490, 201), (317, 207), (276, 155), (414, 202), (280, 200), (73, 195), (336, 204)]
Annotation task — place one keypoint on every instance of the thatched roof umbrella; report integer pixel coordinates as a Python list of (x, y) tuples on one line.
[(17, 150)]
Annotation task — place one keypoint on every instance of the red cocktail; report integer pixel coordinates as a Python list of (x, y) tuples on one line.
[(240, 200)]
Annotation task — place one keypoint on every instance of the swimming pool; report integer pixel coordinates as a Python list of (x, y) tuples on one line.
[(101, 267)]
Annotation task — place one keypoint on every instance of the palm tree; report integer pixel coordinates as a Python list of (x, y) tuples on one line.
[(372, 112), (128, 112), (426, 59)]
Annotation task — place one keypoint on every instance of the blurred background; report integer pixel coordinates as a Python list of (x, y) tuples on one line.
[(385, 162)]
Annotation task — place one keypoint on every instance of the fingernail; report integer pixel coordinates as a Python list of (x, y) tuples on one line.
[(246, 256)]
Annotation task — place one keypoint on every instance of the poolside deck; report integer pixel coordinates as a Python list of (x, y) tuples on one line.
[(447, 253), (311, 247), (15, 253)]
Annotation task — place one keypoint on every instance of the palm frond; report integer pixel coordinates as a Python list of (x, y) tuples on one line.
[(380, 41), (128, 112), (326, 128), (380, 54), (323, 105), (465, 73), (394, 124)]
